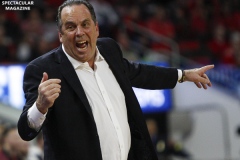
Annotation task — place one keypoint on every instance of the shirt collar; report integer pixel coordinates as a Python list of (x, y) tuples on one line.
[(77, 63)]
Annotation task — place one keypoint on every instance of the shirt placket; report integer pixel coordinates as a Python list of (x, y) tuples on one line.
[(111, 113)]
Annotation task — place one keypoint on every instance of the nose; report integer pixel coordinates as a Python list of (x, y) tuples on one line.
[(80, 31)]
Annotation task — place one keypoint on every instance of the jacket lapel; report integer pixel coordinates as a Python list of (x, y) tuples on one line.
[(109, 61), (71, 77)]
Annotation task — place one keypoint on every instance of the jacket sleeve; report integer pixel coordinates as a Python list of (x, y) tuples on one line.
[(146, 76), (149, 76), (31, 80)]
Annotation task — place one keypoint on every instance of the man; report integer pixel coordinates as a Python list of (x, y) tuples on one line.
[(13, 147), (80, 94)]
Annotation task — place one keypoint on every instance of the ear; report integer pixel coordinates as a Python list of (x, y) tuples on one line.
[(60, 36), (97, 29)]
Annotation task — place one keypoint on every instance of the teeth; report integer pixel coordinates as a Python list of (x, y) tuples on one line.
[(81, 42)]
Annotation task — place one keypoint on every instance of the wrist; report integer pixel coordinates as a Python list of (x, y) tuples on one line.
[(41, 109), (183, 77)]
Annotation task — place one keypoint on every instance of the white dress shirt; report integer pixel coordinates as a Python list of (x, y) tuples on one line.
[(108, 106)]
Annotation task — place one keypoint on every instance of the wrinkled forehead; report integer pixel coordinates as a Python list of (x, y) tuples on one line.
[(74, 11)]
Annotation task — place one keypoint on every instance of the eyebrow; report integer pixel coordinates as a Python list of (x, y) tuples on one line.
[(69, 22), (72, 22)]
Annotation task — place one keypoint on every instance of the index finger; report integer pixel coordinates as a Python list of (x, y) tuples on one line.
[(206, 68), (52, 81)]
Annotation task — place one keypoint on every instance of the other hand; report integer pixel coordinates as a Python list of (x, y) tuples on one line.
[(48, 92), (198, 76)]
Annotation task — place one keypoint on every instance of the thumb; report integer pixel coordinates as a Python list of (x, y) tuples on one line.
[(45, 77)]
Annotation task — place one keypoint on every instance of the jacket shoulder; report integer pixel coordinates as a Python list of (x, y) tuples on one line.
[(106, 41), (47, 57)]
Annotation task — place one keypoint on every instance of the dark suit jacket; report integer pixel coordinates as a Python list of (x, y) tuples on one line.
[(69, 130)]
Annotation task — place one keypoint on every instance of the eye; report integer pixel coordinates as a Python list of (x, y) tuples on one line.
[(70, 27), (85, 24)]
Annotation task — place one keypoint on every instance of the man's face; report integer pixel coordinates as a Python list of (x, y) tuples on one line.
[(14, 145), (78, 33)]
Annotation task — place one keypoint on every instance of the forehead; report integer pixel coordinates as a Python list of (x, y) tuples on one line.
[(75, 12)]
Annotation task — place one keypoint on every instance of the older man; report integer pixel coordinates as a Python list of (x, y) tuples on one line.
[(80, 94)]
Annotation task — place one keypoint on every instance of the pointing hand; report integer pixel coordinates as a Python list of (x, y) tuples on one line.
[(198, 76)]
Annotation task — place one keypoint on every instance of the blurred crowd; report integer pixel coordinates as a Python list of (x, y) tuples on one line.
[(12, 147), (207, 31)]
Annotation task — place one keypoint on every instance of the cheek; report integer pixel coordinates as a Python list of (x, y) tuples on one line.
[(94, 37), (68, 39), (68, 36)]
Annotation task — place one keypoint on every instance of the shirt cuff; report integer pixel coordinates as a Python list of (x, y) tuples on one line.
[(35, 117), (179, 74)]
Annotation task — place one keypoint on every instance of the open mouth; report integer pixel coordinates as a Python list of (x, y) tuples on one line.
[(82, 44)]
